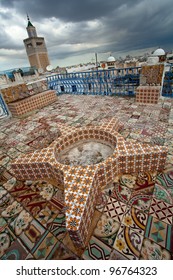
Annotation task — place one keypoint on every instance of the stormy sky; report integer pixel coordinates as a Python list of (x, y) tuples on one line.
[(74, 30)]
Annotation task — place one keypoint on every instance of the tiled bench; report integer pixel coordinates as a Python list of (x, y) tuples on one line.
[(31, 103)]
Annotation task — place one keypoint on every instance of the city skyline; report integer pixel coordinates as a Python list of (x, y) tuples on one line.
[(75, 30)]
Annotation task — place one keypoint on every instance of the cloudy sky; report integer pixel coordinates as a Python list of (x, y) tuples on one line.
[(75, 30)]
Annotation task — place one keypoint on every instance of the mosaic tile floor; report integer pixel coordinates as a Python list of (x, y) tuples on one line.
[(133, 217)]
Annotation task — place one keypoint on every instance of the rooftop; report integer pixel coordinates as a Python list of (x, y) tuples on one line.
[(127, 212)]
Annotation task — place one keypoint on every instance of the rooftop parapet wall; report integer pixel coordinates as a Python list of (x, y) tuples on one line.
[(82, 183)]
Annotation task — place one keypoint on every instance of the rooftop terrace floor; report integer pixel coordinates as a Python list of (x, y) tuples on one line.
[(133, 218)]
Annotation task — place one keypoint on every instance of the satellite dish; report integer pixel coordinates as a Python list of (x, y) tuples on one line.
[(40, 70), (49, 68)]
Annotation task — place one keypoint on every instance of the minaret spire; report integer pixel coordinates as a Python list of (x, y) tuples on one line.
[(29, 22)]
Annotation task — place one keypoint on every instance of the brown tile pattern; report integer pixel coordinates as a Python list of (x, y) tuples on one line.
[(148, 94), (14, 93), (153, 73), (22, 91), (31, 103)]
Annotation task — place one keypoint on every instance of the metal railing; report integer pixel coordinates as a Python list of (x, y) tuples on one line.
[(167, 89), (102, 82)]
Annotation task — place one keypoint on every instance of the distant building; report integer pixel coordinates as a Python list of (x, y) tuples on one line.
[(111, 62), (36, 49), (160, 53)]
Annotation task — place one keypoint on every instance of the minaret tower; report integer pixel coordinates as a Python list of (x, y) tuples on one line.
[(36, 48)]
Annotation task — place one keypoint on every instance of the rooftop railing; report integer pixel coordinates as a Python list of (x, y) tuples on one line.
[(121, 81)]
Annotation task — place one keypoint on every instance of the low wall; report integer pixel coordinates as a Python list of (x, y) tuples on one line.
[(31, 103)]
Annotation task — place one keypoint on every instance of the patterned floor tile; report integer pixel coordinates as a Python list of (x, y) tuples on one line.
[(152, 251), (96, 250), (135, 219), (128, 242), (6, 239), (145, 182), (57, 227), (45, 245), (60, 252), (165, 180), (106, 229), (36, 205), (140, 201), (159, 232), (16, 251), (121, 193), (143, 125), (32, 235), (11, 211), (3, 224), (162, 193), (161, 210), (115, 209), (3, 191), (47, 215), (5, 201), (15, 188), (115, 255), (128, 180), (21, 222)]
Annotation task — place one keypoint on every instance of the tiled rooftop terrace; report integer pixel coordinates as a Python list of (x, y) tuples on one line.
[(133, 218)]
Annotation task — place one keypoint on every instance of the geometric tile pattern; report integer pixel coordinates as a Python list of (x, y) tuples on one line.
[(115, 209), (159, 232), (44, 247), (148, 94), (96, 250), (161, 210), (47, 215), (32, 234), (33, 102), (57, 227)]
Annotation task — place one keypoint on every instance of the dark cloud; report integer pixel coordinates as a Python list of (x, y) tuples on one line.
[(68, 10), (113, 25)]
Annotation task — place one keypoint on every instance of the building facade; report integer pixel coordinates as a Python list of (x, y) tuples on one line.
[(36, 49)]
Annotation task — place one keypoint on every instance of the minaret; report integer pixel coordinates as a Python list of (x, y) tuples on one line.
[(36, 48)]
